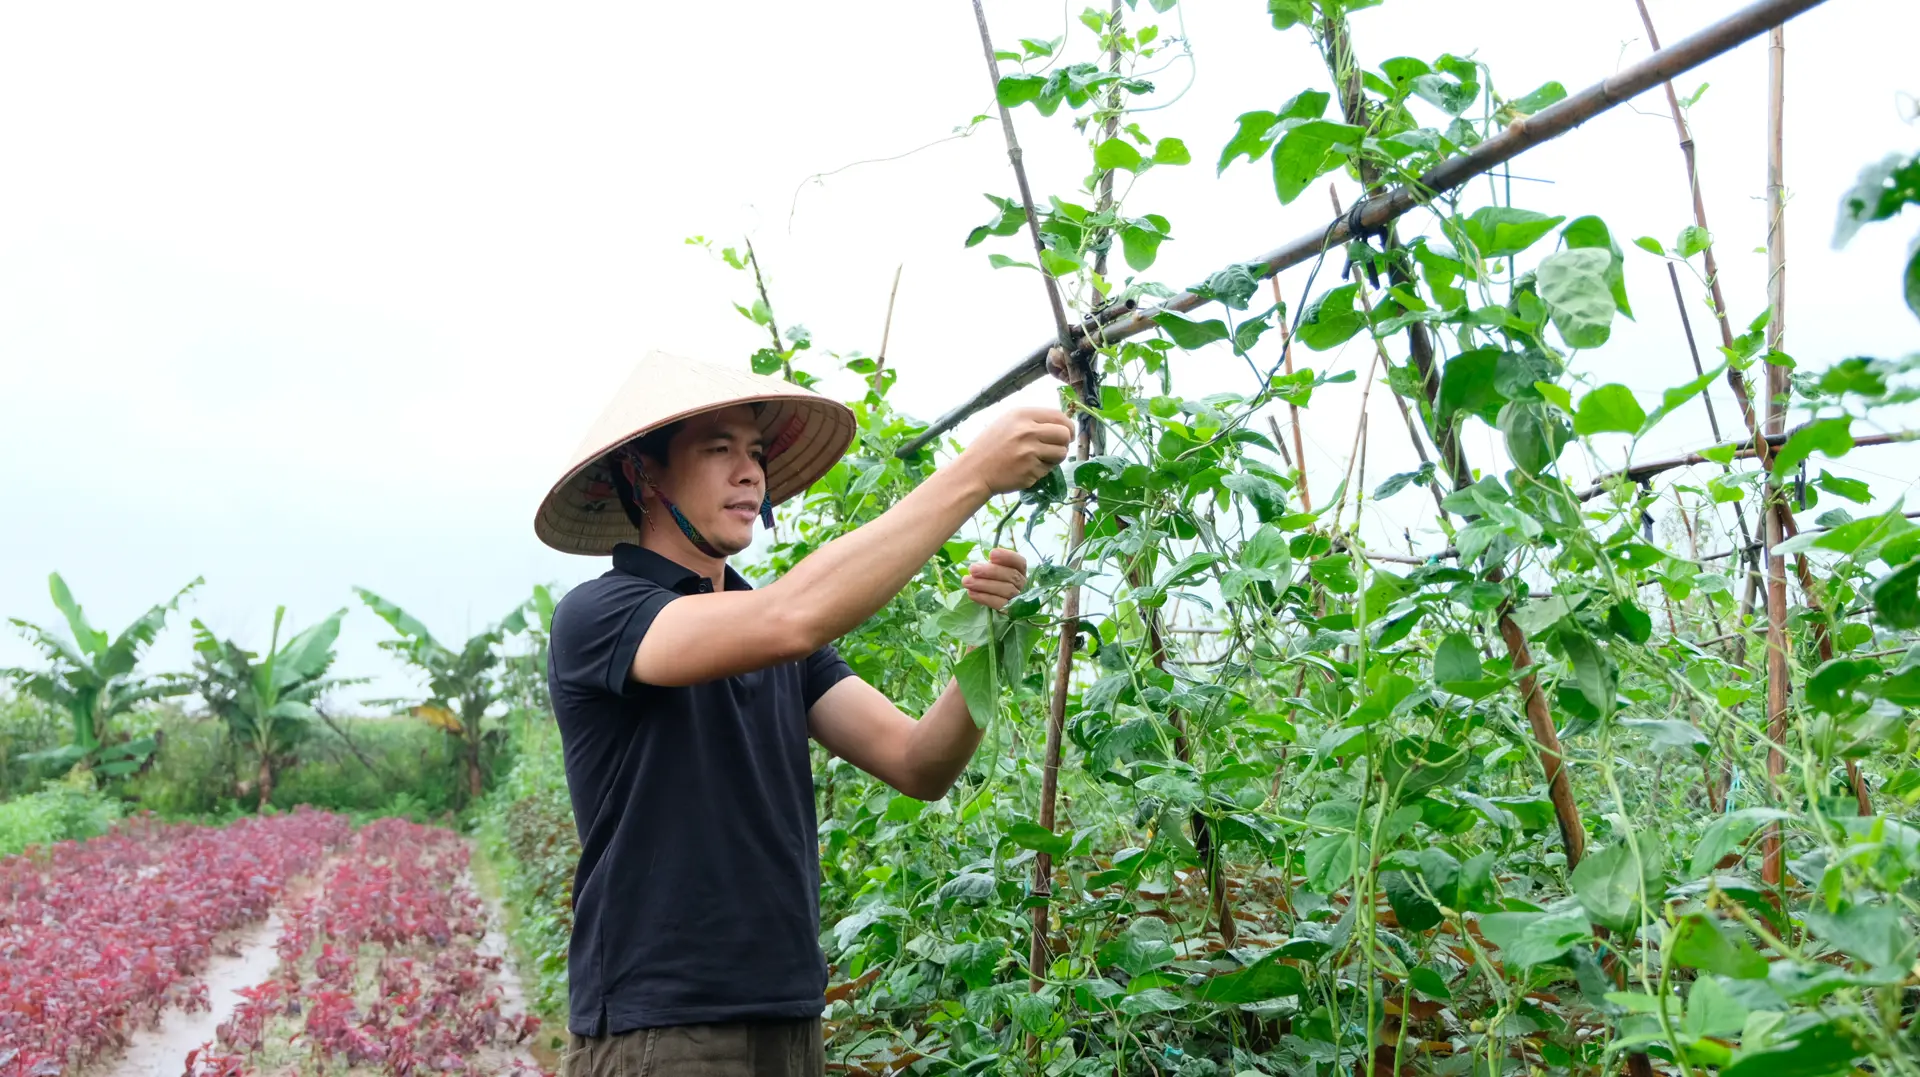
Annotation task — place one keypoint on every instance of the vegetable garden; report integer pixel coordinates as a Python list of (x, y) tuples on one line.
[(1612, 774)]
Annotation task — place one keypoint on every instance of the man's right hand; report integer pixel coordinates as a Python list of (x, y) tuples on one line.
[(1018, 449)]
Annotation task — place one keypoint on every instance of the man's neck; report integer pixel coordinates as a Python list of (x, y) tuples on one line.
[(675, 547)]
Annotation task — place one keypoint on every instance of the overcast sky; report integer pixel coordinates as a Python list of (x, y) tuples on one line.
[(299, 298)]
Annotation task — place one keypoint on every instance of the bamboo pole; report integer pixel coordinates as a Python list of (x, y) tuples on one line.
[(1014, 156), (886, 329), (1293, 410), (1078, 374), (1373, 213), (1773, 866), (1639, 473)]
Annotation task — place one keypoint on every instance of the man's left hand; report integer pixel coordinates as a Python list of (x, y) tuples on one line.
[(994, 582)]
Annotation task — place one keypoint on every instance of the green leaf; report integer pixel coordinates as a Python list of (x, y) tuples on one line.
[(1145, 945), (1116, 153), (972, 888), (1669, 733), (1882, 189), (1251, 139), (1331, 860), (1712, 1011), (1630, 621), (1824, 1050), (1673, 398), (1016, 90), (1729, 832), (1267, 978), (1501, 231), (1171, 151), (1140, 240), (1872, 934), (1608, 883), (1609, 409), (1330, 320), (1895, 599), (975, 962), (1456, 659), (1188, 334), (1577, 288), (1853, 490), (1034, 1012), (1700, 944), (1546, 95), (1651, 246), (979, 685), (1152, 1000), (1306, 152), (92, 641), (1830, 437), (1589, 231), (307, 655), (1468, 384), (1029, 835), (1592, 670), (1910, 284), (1693, 239), (1534, 938), (1535, 435), (1410, 907), (1248, 333)]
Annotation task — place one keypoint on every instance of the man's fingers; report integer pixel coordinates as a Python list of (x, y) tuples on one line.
[(1001, 571), (1010, 558)]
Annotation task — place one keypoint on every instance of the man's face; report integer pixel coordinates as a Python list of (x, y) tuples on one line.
[(716, 474)]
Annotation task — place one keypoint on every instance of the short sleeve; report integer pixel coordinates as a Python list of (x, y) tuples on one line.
[(822, 670), (597, 629)]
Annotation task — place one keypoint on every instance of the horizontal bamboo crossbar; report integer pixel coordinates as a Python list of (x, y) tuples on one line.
[(1372, 214)]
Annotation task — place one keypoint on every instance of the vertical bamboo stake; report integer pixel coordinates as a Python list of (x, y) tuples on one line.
[(886, 330), (1773, 867), (1077, 375), (1015, 157), (1566, 811), (1293, 410)]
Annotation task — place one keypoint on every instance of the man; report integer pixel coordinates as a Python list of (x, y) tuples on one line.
[(685, 700)]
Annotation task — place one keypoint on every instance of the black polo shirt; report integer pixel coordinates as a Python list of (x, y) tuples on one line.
[(697, 897)]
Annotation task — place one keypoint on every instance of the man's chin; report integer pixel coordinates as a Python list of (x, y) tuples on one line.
[(729, 545)]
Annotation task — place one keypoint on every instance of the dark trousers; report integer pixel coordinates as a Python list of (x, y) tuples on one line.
[(734, 1049)]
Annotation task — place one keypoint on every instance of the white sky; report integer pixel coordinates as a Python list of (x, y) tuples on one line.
[(304, 298)]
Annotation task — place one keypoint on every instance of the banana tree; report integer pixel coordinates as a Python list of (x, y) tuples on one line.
[(267, 704), (461, 684), (92, 678)]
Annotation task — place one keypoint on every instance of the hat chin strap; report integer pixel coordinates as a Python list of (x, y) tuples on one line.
[(637, 477)]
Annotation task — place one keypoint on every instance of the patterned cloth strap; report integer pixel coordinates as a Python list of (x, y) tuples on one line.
[(636, 477)]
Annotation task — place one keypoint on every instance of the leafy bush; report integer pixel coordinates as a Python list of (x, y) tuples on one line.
[(193, 773), (27, 725), (65, 810), (526, 830)]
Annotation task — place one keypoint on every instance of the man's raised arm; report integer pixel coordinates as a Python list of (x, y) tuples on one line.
[(700, 638)]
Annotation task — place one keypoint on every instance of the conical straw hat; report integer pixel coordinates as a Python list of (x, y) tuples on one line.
[(806, 434)]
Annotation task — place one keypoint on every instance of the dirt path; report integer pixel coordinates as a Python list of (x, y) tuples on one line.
[(495, 944), (162, 1052)]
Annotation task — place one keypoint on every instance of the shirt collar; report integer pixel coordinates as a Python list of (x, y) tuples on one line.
[(639, 561)]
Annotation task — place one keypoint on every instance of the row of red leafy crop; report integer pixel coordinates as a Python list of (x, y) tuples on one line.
[(97, 938), (425, 1000)]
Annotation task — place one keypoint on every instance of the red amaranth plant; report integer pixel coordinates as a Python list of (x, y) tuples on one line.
[(431, 1002), (97, 938)]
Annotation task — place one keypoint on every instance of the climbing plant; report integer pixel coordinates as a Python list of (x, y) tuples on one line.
[(1517, 800)]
